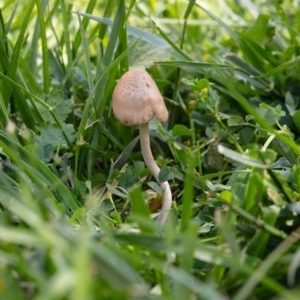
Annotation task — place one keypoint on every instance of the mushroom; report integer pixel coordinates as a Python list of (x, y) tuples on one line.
[(136, 100)]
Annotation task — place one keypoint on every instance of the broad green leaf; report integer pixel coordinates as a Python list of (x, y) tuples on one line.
[(50, 137), (59, 107), (155, 187), (181, 130), (271, 114), (296, 119), (165, 174), (258, 31), (235, 121), (51, 134)]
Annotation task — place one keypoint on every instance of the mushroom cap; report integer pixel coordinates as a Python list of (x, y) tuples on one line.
[(136, 99)]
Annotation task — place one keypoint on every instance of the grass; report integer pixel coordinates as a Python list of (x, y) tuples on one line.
[(77, 203)]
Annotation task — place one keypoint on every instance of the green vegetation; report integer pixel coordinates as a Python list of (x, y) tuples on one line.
[(74, 224)]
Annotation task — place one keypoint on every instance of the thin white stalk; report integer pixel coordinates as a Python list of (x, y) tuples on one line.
[(154, 168)]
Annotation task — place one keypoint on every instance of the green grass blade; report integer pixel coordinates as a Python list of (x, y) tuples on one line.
[(188, 196), (4, 60), (13, 65), (86, 55), (3, 112), (178, 52), (44, 42), (116, 270), (268, 263), (241, 158), (196, 65), (140, 210), (282, 67), (78, 39), (37, 172), (116, 30), (24, 237), (66, 24)]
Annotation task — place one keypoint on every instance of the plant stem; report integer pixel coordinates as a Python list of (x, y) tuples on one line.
[(154, 168)]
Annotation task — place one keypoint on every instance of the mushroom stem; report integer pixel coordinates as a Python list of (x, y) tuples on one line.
[(154, 168)]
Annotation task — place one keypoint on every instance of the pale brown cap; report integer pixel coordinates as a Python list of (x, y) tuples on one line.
[(136, 99)]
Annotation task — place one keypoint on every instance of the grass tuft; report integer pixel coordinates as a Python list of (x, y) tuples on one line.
[(77, 203)]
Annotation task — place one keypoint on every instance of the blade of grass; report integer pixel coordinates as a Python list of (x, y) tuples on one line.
[(117, 26), (4, 60), (116, 270), (282, 67), (123, 44), (203, 253), (188, 196), (194, 285), (3, 112), (10, 66), (44, 231), (19, 236), (86, 55), (44, 42), (140, 210), (29, 115), (258, 243), (258, 222), (179, 52), (103, 25), (281, 13), (178, 72), (37, 172), (66, 25), (186, 260), (242, 158), (13, 65), (84, 24), (193, 64), (266, 265)]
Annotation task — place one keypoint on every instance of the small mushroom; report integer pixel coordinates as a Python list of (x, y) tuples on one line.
[(136, 100)]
